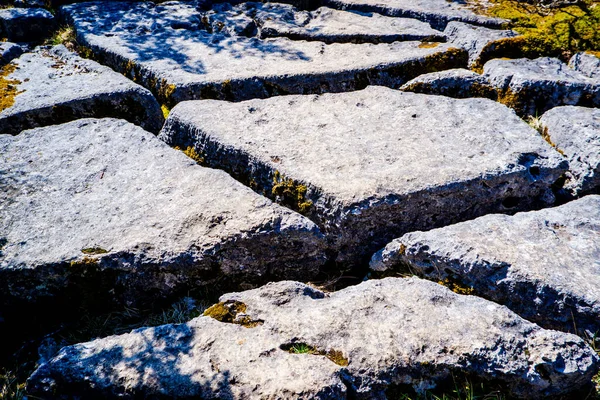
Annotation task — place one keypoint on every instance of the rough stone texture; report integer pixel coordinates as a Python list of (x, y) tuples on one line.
[(328, 25), (458, 83), (58, 86), (544, 265), (482, 43), (9, 51), (435, 12), (576, 132), (374, 162), (532, 87), (586, 63), (166, 48), (33, 3), (102, 210), (25, 24), (391, 332)]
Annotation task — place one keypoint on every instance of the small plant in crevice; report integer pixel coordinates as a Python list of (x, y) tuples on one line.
[(536, 123), (290, 193), (67, 36), (333, 355), (11, 388), (190, 151)]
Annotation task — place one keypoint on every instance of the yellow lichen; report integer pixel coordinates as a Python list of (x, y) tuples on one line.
[(456, 287), (190, 151), (165, 110), (8, 87), (290, 193)]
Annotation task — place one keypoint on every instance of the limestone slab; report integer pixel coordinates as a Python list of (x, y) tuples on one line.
[(364, 339), (26, 24), (544, 265), (586, 63), (458, 83), (102, 210), (54, 85), (9, 51), (576, 132), (368, 164), (167, 48)]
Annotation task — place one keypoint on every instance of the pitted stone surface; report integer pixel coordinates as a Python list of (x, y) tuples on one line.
[(386, 332), (26, 24), (9, 51), (586, 63), (482, 43), (435, 12), (374, 162), (166, 48), (104, 207), (532, 87), (544, 265), (576, 132), (457, 83), (56, 86)]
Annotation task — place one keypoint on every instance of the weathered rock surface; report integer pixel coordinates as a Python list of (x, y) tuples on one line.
[(532, 87), (457, 83), (9, 51), (55, 86), (586, 63), (165, 48), (25, 24), (435, 12), (356, 162), (482, 43), (330, 26), (544, 265), (374, 335), (576, 132), (102, 210)]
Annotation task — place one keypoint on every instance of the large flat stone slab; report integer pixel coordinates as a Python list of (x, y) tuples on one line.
[(104, 212), (53, 85), (576, 132), (366, 165), (363, 340), (435, 12), (26, 24), (532, 87), (545, 265), (167, 49)]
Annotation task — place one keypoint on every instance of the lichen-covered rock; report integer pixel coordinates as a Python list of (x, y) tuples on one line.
[(26, 24), (586, 63), (102, 211), (330, 26), (53, 85), (482, 43), (576, 132), (435, 12), (9, 51), (370, 164), (165, 48), (304, 344), (532, 87), (457, 83), (544, 265)]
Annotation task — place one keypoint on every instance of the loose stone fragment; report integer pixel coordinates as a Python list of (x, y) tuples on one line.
[(482, 43), (457, 83), (532, 87), (435, 12), (356, 162), (576, 132), (54, 86), (544, 265), (101, 211), (586, 63), (354, 343), (25, 24), (165, 48), (9, 51)]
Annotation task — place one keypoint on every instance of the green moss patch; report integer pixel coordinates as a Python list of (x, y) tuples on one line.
[(290, 193), (94, 250), (8, 87), (233, 312)]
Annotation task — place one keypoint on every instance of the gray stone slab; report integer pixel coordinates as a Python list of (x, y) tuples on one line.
[(544, 265), (457, 83), (482, 43), (54, 85), (100, 209), (368, 164), (576, 132), (532, 87), (166, 48), (435, 12), (370, 337), (586, 63), (330, 26), (26, 24), (9, 51)]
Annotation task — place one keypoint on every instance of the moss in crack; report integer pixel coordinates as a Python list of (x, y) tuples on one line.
[(233, 312), (190, 151), (165, 110), (429, 45), (290, 193), (335, 356), (85, 262), (8, 87), (94, 250), (457, 287)]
